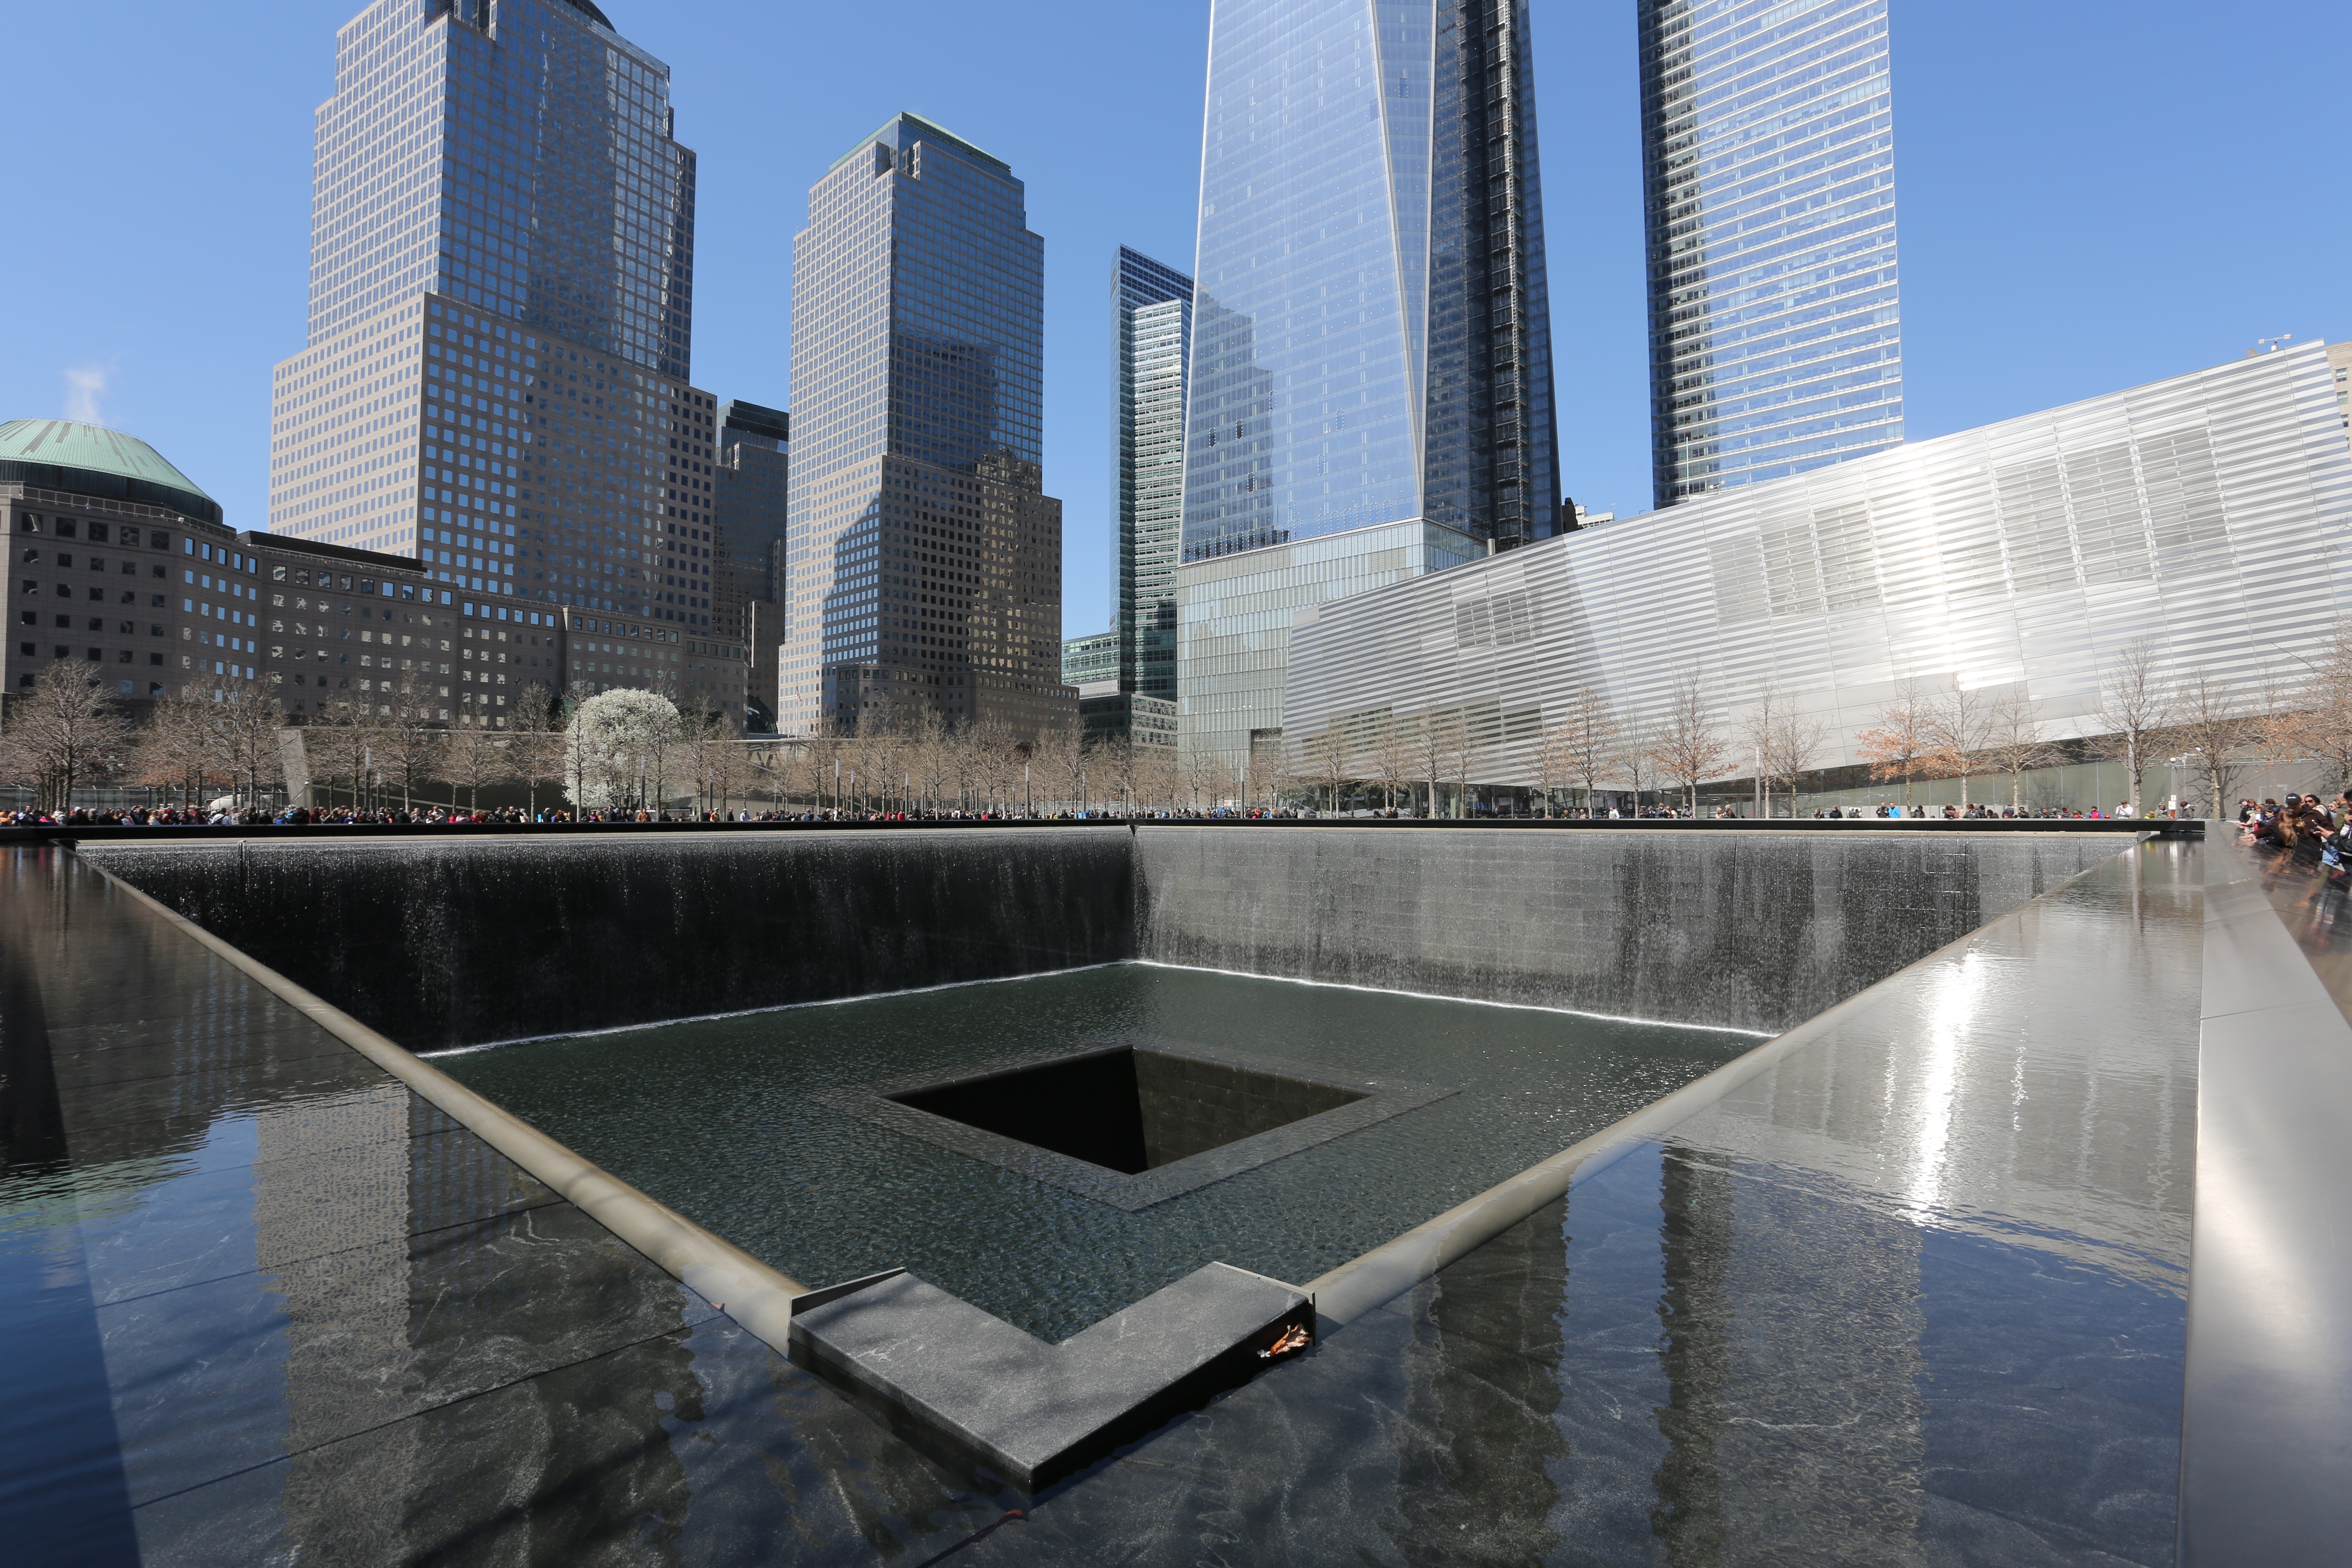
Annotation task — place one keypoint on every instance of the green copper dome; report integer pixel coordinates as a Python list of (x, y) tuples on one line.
[(89, 459)]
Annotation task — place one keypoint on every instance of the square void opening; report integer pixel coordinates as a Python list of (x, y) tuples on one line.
[(1128, 1110)]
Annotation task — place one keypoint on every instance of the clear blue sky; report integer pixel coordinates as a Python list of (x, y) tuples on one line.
[(2093, 194)]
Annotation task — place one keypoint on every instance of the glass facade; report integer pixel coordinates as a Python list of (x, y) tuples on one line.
[(1372, 340), (1090, 660), (1769, 177), (924, 559), (516, 157), (500, 322), (749, 514), (1151, 310), (1235, 615)]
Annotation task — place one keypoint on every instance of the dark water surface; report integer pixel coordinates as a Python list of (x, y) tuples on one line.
[(716, 1119)]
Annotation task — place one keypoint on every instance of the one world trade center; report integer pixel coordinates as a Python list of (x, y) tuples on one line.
[(1370, 391)]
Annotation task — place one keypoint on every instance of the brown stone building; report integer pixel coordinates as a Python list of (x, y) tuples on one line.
[(100, 530)]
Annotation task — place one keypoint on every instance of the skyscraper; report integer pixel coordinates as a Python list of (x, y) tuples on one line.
[(925, 556), (1371, 392), (1775, 334), (501, 320), (754, 464), (1151, 318)]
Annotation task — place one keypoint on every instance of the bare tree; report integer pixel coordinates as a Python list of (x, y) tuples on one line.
[(700, 746), (1392, 758), (174, 748), (408, 733), (341, 739), (2133, 708), (64, 732), (997, 762), (1686, 745), (1791, 750), (468, 758), (1960, 724), (1461, 748), (931, 756), (1061, 763), (1326, 763), (2013, 743), (1110, 771), (2316, 722), (2212, 728), (1900, 737), (245, 732), (1590, 734), (1160, 778), (1550, 760), (1756, 734), (1631, 758), (815, 765), (1432, 748), (1203, 772), (535, 746)]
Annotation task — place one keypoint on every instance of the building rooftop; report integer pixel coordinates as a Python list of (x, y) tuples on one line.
[(926, 130), (94, 447)]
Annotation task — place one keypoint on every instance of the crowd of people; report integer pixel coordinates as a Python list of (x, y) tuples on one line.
[(1977, 811), (515, 816), (2298, 820), (2303, 823)]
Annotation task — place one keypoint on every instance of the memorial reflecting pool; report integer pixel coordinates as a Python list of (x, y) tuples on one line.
[(739, 1125), (1911, 1294)]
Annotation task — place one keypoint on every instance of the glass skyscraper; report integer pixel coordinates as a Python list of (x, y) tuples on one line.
[(501, 322), (1776, 331), (1151, 310), (1370, 393), (925, 558)]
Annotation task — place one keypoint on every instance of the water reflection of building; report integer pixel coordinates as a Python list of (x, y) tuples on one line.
[(1477, 1440), (1791, 1348)]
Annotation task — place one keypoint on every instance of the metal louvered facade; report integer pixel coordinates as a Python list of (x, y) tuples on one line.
[(2211, 512)]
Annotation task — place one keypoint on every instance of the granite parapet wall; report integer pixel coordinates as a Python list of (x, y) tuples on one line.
[(1739, 930), (450, 942), (447, 942)]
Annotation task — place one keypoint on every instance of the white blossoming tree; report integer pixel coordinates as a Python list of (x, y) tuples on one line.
[(618, 746)]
